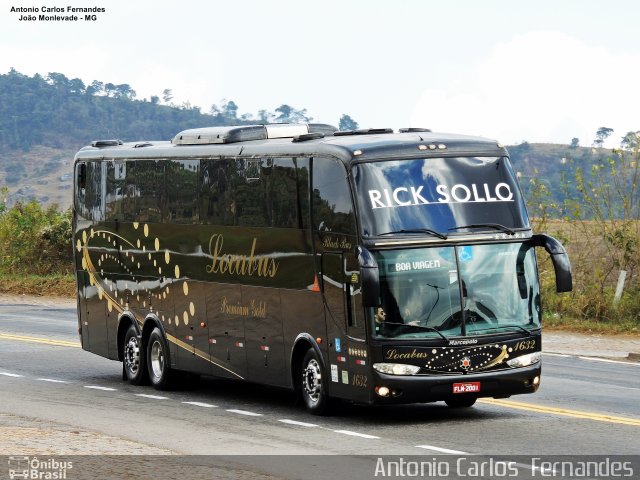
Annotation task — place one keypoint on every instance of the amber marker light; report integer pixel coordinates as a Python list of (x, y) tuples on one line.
[(319, 340), (202, 324)]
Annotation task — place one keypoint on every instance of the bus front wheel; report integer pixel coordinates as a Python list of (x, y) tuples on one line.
[(135, 365), (160, 372), (313, 386)]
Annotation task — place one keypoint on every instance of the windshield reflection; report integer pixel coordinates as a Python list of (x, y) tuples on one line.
[(453, 291), (437, 193)]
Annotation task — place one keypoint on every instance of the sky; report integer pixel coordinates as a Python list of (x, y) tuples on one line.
[(511, 70)]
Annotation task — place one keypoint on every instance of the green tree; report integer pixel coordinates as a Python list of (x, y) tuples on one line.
[(287, 114), (347, 123), (575, 142), (601, 135), (631, 141)]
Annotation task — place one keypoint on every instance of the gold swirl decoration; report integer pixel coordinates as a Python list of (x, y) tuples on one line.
[(481, 357), (133, 258)]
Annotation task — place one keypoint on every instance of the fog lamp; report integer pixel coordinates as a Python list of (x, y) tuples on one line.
[(382, 391)]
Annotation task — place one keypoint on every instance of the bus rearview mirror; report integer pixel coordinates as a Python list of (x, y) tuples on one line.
[(369, 277), (560, 259)]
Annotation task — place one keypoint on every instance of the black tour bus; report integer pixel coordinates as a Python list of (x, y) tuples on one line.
[(371, 266)]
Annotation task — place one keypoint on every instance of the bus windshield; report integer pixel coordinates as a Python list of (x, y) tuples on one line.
[(438, 194), (457, 290)]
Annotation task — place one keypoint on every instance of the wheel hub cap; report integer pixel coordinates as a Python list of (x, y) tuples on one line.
[(132, 355), (157, 359), (312, 380)]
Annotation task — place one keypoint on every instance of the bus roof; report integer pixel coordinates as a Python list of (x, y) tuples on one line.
[(298, 140)]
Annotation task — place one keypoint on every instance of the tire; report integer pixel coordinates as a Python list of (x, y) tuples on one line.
[(160, 373), (134, 358), (461, 402), (313, 384)]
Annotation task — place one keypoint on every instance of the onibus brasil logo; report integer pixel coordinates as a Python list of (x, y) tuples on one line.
[(22, 467)]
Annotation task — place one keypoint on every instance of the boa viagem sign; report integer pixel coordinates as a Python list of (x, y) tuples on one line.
[(459, 193)]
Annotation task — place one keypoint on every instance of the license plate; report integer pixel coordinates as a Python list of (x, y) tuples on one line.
[(470, 387)]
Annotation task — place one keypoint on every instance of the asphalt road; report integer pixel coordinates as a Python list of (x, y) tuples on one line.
[(583, 407)]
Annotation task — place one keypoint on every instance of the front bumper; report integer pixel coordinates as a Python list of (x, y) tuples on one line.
[(433, 388)]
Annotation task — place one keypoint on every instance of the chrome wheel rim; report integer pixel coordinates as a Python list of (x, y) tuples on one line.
[(312, 380), (157, 359), (132, 355)]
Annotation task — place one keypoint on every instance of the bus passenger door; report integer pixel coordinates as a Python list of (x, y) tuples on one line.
[(348, 370)]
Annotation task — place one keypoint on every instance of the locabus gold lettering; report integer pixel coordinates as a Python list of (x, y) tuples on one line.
[(393, 354), (239, 265)]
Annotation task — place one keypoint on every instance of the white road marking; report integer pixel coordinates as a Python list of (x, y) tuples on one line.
[(442, 450), (244, 412), (606, 360), (563, 355), (155, 397), (52, 380), (201, 404), (300, 424), (356, 434), (14, 375), (96, 387)]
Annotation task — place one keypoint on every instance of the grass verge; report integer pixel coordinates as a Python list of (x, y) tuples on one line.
[(43, 285), (578, 325)]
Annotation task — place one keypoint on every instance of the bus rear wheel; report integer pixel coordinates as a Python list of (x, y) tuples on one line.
[(135, 365), (460, 402), (160, 372), (313, 387)]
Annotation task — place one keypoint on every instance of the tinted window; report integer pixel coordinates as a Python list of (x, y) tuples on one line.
[(150, 194), (332, 205), (115, 189), (93, 207), (252, 192), (437, 193), (182, 191), (216, 196)]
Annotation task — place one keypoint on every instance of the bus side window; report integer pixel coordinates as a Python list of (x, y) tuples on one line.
[(115, 187), (249, 206), (182, 187), (150, 191), (281, 193), (94, 198), (331, 198), (216, 196), (81, 185)]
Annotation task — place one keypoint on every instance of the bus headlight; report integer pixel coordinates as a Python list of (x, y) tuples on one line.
[(396, 368), (525, 360)]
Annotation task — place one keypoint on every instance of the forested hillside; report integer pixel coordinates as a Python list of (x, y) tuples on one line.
[(45, 120)]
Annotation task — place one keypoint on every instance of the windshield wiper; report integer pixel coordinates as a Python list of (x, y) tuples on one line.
[(416, 230), (528, 332), (495, 226), (429, 329)]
